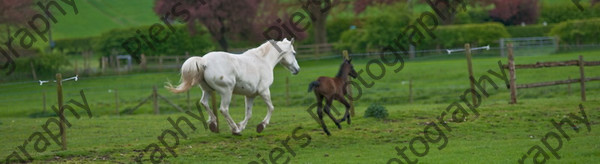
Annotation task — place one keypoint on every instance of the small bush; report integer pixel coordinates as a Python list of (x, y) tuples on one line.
[(529, 31), (376, 111), (564, 11), (578, 31), (177, 43), (457, 35), (44, 64)]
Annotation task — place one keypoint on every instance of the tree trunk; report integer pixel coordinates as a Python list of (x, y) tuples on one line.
[(223, 43), (320, 30)]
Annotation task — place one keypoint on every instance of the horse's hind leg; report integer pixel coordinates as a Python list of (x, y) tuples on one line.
[(225, 100), (249, 103), (347, 105), (329, 101), (212, 119), (266, 95), (320, 113)]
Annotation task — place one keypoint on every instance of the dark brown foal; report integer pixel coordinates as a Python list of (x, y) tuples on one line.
[(333, 88)]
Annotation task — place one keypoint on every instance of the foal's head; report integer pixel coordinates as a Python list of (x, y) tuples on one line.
[(348, 69)]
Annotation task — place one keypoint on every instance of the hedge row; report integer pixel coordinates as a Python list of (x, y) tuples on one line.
[(564, 11), (529, 30), (177, 42), (578, 31), (446, 37)]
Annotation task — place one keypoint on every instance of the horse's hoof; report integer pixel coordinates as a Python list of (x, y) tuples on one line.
[(328, 134), (339, 126), (236, 133), (260, 127), (213, 127)]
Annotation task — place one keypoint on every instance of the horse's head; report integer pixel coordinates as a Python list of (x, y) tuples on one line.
[(350, 68), (288, 56)]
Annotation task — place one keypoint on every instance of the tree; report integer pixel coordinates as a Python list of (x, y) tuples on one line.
[(14, 13), (220, 17), (512, 12)]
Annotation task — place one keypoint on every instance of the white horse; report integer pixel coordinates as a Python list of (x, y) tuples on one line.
[(249, 74)]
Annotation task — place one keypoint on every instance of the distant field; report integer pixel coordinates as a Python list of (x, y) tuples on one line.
[(502, 133), (98, 16)]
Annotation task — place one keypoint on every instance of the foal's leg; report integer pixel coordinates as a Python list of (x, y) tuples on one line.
[(212, 119), (320, 113), (266, 95), (347, 105), (225, 100), (329, 101), (249, 103)]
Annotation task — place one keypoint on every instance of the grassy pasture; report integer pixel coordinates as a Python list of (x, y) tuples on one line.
[(503, 132)]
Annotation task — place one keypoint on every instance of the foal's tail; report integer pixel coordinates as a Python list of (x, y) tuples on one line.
[(312, 85), (192, 73)]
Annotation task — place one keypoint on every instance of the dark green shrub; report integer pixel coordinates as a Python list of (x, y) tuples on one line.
[(457, 35), (578, 31), (337, 25), (563, 11), (529, 31), (75, 44), (178, 42), (44, 64), (476, 15), (352, 40), (376, 111), (380, 27)]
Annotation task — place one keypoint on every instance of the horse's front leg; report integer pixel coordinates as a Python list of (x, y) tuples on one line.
[(249, 103), (266, 95), (347, 105), (329, 102), (225, 100)]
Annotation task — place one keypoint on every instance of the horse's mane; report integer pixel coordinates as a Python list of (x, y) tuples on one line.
[(263, 49), (340, 72)]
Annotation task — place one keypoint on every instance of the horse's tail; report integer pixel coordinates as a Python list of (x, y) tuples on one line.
[(192, 73), (312, 85)]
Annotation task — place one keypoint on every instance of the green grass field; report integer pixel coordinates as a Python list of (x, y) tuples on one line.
[(502, 133)]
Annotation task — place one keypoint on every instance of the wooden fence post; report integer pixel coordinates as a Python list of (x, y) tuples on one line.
[(470, 68), (287, 90), (143, 62), (61, 112), (569, 87), (213, 99), (155, 99), (513, 76), (582, 76), (33, 70), (117, 102), (410, 91), (76, 68), (44, 102), (349, 87), (160, 62)]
